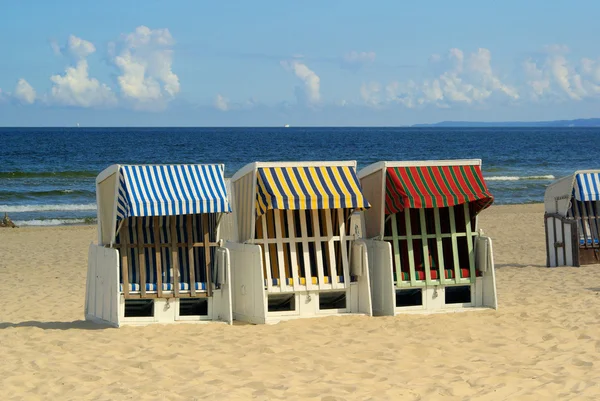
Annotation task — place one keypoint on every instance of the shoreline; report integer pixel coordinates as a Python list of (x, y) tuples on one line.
[(492, 207)]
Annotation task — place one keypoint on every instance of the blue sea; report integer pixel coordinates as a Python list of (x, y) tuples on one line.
[(47, 174)]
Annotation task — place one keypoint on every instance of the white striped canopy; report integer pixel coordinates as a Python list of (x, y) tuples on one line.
[(587, 187), (170, 190)]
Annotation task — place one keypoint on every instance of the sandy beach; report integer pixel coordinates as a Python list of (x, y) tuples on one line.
[(542, 343)]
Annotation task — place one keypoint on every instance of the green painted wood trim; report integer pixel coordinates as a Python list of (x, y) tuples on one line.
[(470, 243), (407, 284), (454, 244), (409, 237), (440, 248), (396, 247), (425, 247)]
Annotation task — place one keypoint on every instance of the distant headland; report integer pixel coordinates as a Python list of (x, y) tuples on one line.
[(582, 122)]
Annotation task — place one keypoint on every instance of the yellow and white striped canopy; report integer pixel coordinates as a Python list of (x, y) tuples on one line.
[(303, 188)]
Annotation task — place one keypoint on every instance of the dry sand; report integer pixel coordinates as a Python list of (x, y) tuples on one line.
[(543, 342)]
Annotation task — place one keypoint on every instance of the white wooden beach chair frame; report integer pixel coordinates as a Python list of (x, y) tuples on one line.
[(384, 251), (253, 285), (107, 299), (572, 226)]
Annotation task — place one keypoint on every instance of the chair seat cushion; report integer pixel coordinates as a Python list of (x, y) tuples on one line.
[(315, 280), (589, 241), (152, 287), (448, 273)]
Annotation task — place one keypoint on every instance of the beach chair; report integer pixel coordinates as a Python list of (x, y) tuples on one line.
[(158, 257), (293, 253), (572, 220), (425, 250)]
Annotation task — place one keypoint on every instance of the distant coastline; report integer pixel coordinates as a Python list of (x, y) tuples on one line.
[(581, 122)]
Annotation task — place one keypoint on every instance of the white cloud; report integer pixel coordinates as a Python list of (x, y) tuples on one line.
[(454, 89), (467, 80), (80, 48), (403, 93), (356, 59), (480, 65), (76, 88), (75, 47), (221, 103), (537, 79), (591, 68), (370, 93), (432, 91), (457, 57), (555, 78), (24, 92), (312, 83), (145, 60), (560, 70)]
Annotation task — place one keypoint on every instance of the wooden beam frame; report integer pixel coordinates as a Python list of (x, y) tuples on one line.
[(453, 235), (330, 252), (472, 272), (396, 247), (593, 221), (454, 244), (318, 251), (179, 244), (440, 246), (275, 245), (409, 242), (171, 246), (293, 250), (279, 249), (125, 259), (141, 255), (267, 259), (305, 250), (191, 261), (157, 255), (425, 247), (343, 247), (174, 254), (207, 260)]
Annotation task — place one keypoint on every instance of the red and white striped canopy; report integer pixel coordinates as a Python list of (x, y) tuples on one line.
[(435, 186)]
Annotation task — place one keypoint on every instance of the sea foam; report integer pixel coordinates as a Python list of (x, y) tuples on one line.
[(516, 178), (45, 208)]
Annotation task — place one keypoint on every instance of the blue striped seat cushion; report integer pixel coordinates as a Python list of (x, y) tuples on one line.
[(582, 241), (166, 287)]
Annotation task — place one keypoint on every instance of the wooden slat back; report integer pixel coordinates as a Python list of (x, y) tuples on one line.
[(157, 255), (125, 259), (207, 254), (190, 254), (174, 254), (141, 259), (302, 244), (441, 235)]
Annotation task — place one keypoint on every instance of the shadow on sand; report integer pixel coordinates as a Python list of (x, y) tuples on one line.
[(500, 265), (76, 325)]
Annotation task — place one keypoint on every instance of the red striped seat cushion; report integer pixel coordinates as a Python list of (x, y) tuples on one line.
[(449, 274)]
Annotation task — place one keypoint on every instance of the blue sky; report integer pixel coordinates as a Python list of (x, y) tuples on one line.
[(268, 63)]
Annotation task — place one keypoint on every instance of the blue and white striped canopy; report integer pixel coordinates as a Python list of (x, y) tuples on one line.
[(587, 187), (170, 190)]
